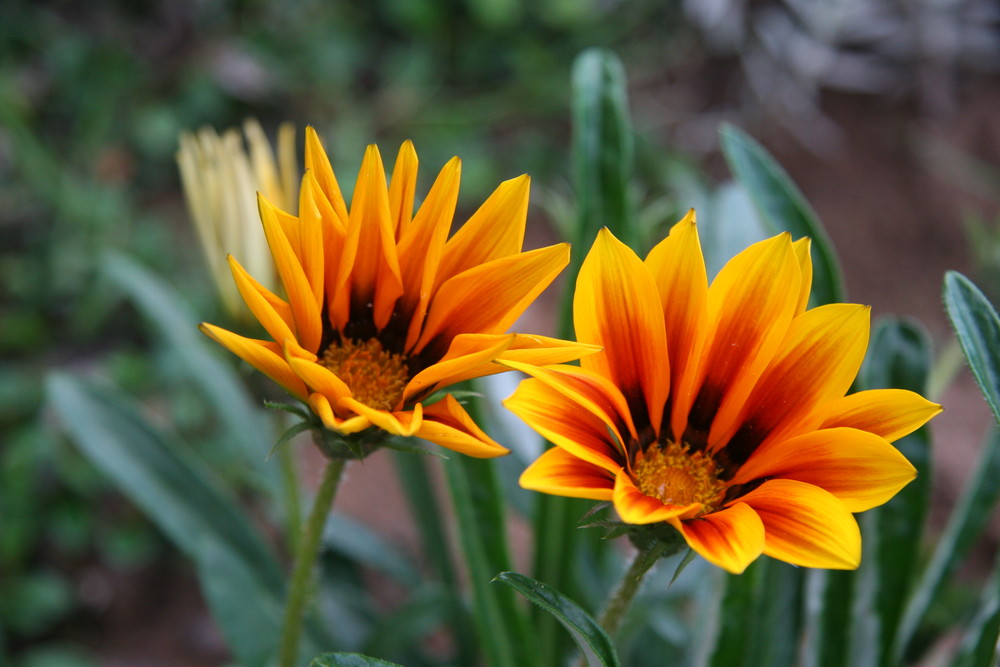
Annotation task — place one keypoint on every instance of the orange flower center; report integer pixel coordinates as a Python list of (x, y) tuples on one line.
[(375, 377), (675, 476)]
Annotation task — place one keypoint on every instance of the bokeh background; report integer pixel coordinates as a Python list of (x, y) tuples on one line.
[(883, 111)]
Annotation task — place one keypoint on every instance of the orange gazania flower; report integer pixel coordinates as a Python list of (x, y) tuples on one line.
[(383, 309), (720, 410)]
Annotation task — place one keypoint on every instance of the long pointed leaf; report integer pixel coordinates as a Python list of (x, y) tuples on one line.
[(349, 660), (591, 639), (783, 207), (978, 329)]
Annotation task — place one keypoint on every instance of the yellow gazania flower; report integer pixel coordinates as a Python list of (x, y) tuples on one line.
[(221, 180), (384, 309), (720, 409)]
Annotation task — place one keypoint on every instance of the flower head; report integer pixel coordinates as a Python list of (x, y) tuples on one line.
[(383, 309), (720, 409), (221, 180)]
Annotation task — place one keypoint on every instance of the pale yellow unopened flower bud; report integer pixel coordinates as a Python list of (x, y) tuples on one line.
[(221, 179)]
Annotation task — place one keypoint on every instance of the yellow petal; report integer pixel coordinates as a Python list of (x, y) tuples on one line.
[(616, 305), (496, 230), (566, 423), (805, 525), (319, 164), (465, 354), (802, 249), (402, 188), (731, 538), (446, 423), (678, 267), (402, 422), (561, 474), (816, 363), (633, 506), (259, 354), (490, 297), (353, 424), (750, 305), (890, 413), (273, 314), (859, 468), (319, 378)]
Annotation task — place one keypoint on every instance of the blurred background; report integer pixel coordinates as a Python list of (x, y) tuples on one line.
[(884, 112)]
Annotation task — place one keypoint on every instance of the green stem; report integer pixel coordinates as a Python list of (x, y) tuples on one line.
[(622, 599), (305, 560), (293, 503)]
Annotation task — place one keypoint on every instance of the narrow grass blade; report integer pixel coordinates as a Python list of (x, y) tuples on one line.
[(591, 639), (783, 208), (978, 329)]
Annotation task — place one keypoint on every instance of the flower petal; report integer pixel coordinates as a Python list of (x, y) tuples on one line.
[(890, 413), (678, 267), (466, 353), (633, 506), (731, 538), (816, 363), (566, 423), (488, 298), (353, 424), (404, 423), (560, 473), (750, 305), (446, 423), (803, 254), (273, 313), (805, 525), (319, 378), (261, 355), (496, 230), (616, 305), (859, 468), (319, 164), (402, 187)]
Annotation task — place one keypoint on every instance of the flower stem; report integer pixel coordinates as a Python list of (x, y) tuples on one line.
[(305, 559), (619, 604)]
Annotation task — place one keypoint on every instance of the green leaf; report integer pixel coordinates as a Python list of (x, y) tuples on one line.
[(783, 207), (242, 579), (591, 639), (349, 660), (602, 148), (978, 329)]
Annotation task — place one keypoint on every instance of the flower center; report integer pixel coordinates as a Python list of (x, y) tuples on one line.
[(376, 377), (675, 476)]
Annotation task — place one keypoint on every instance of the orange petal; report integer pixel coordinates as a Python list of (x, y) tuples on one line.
[(616, 305), (496, 230), (311, 224), (678, 267), (750, 305), (402, 188), (816, 363), (633, 506), (261, 355), (490, 297), (731, 538), (403, 422), (890, 413), (273, 314), (375, 274), (353, 424), (805, 525), (319, 378), (802, 249), (859, 468), (561, 474), (305, 307), (446, 423), (319, 164), (422, 245), (465, 354), (567, 424)]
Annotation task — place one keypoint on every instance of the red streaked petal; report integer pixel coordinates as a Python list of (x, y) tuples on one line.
[(616, 305), (678, 267), (446, 423), (750, 305), (805, 525), (567, 424), (496, 230), (859, 468), (890, 413), (561, 474), (259, 354), (731, 538), (633, 506)]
